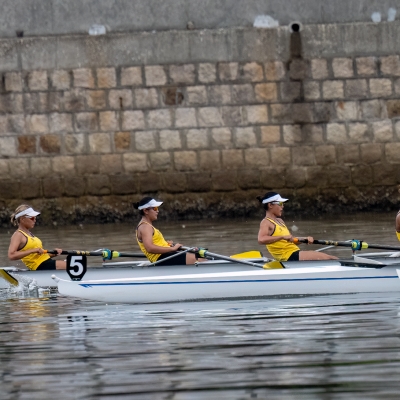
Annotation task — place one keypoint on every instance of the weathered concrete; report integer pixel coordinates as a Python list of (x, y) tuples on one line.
[(61, 17), (239, 45)]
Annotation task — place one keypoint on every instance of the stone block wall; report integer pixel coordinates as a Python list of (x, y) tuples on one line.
[(83, 142)]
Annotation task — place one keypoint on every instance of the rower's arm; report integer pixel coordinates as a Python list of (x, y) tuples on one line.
[(265, 232), (15, 243), (398, 222), (146, 232)]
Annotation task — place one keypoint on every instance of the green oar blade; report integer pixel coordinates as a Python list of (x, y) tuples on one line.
[(9, 278)]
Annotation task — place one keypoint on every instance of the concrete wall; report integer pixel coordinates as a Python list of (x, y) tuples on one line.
[(240, 45), (60, 17), (203, 119)]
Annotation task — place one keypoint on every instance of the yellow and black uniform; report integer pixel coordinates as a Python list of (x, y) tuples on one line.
[(282, 249), (33, 260), (158, 240), (398, 233)]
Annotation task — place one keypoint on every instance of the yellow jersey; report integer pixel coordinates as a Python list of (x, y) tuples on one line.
[(282, 249), (158, 239), (398, 236), (32, 261)]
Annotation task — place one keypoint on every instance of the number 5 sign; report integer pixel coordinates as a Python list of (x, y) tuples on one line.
[(76, 267)]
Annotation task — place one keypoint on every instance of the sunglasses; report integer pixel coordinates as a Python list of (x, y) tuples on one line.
[(31, 218), (153, 208), (279, 203)]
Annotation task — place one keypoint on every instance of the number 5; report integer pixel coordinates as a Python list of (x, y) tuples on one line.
[(76, 267)]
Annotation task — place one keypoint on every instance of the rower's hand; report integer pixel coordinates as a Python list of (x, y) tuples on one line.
[(289, 238), (58, 252), (170, 242), (176, 247), (308, 240)]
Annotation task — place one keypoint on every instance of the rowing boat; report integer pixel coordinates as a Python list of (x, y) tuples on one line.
[(138, 269), (227, 281), (141, 269)]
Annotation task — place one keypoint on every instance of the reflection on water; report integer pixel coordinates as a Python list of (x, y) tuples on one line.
[(344, 346), (333, 347)]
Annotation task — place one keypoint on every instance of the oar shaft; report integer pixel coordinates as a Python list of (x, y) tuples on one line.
[(383, 247), (137, 255), (324, 242), (115, 254), (354, 244), (207, 254), (76, 252)]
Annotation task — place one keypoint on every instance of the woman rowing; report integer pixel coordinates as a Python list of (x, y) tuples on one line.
[(398, 221), (277, 237), (152, 242), (27, 247)]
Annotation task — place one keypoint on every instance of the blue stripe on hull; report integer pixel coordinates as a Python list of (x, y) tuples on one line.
[(88, 285)]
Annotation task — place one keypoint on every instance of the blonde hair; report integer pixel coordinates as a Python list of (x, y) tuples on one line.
[(22, 207)]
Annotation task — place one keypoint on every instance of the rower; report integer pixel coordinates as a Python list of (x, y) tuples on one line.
[(398, 225), (25, 246), (277, 237), (152, 242)]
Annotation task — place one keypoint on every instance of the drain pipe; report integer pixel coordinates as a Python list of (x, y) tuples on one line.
[(295, 27)]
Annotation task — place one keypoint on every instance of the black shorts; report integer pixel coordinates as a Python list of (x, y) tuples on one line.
[(295, 256), (177, 260), (47, 265)]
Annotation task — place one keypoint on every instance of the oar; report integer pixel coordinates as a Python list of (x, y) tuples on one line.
[(329, 247), (204, 253), (354, 244), (105, 253), (109, 254), (9, 278)]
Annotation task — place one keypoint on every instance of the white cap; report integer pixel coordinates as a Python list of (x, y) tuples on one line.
[(151, 203), (29, 212), (276, 197)]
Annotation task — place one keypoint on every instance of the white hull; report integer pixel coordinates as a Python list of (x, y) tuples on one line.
[(241, 284)]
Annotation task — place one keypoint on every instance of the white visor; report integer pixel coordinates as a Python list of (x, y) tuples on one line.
[(277, 197), (151, 203), (29, 212)]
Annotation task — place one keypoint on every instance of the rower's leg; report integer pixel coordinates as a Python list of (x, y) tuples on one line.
[(191, 259), (309, 255), (61, 264)]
